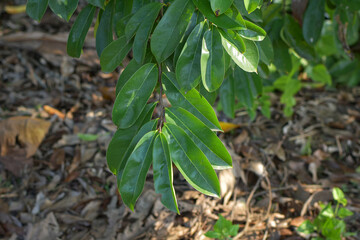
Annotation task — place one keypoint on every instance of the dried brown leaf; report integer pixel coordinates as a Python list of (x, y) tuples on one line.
[(28, 131)]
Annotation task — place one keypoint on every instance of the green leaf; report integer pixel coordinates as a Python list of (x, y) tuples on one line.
[(132, 98), (339, 196), (204, 138), (138, 18), (319, 73), (122, 139), (213, 234), (306, 227), (79, 30), (147, 127), (231, 19), (191, 161), (220, 6), (63, 8), (87, 137), (234, 39), (248, 60), (227, 95), (266, 50), (104, 35), (126, 74), (188, 71), (171, 28), (36, 8), (252, 32), (313, 21), (251, 5), (143, 32), (248, 87), (327, 212), (163, 173), (291, 34), (282, 58), (191, 101), (343, 213), (113, 55), (212, 60), (134, 175), (97, 3)]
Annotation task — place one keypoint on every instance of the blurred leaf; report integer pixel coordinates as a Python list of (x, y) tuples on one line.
[(79, 30), (339, 196), (104, 35), (87, 137), (63, 8), (36, 8), (220, 6), (313, 21)]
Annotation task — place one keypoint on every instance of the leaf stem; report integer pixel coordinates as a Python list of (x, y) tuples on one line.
[(161, 103)]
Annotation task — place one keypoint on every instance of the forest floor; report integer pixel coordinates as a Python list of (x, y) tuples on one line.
[(55, 126)]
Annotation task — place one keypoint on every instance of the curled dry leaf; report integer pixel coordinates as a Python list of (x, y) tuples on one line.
[(28, 131)]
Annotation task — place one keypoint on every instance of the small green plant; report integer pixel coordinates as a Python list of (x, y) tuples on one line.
[(223, 229), (329, 224)]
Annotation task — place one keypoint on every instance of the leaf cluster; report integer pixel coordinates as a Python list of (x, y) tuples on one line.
[(329, 224)]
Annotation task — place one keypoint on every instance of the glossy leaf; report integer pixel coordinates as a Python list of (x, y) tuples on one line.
[(147, 127), (266, 50), (229, 20), (134, 175), (138, 18), (104, 35), (234, 39), (220, 6), (79, 30), (252, 32), (248, 60), (36, 8), (251, 5), (63, 8), (202, 136), (313, 21), (227, 96), (126, 74), (163, 173), (97, 3), (191, 101), (212, 60), (143, 32), (114, 54), (191, 161), (188, 71), (122, 138), (132, 98), (171, 28)]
